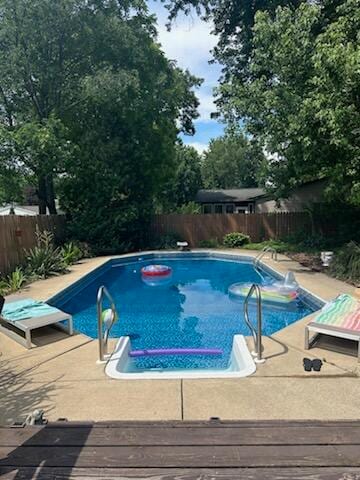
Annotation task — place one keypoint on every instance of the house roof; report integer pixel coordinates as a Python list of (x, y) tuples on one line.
[(21, 209), (230, 195)]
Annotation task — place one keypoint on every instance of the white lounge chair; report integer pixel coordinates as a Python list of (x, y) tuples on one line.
[(338, 318), (19, 317)]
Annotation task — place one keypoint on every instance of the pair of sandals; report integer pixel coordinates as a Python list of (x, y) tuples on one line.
[(315, 364)]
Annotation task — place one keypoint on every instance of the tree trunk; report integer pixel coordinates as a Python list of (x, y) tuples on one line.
[(41, 193), (50, 195)]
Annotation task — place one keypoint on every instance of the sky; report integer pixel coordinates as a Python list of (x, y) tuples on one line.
[(189, 43)]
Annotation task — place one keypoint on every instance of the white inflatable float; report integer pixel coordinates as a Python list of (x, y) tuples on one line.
[(285, 291)]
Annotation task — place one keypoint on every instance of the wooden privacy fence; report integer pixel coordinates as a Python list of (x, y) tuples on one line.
[(260, 226), (17, 233)]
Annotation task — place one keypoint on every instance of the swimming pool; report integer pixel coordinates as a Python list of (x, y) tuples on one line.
[(192, 310)]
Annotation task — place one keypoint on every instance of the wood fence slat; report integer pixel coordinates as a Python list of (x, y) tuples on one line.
[(18, 234), (259, 226)]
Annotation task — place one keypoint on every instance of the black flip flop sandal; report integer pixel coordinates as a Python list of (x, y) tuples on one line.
[(307, 364), (317, 364)]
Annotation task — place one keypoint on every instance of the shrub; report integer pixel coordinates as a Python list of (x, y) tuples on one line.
[(278, 245), (211, 243), (306, 242), (44, 259), (346, 263), (13, 282), (235, 239), (71, 253)]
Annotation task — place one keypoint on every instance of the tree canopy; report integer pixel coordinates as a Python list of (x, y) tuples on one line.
[(303, 99), (184, 181), (232, 161), (86, 94), (291, 77)]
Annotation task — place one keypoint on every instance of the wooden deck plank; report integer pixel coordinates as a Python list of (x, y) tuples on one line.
[(183, 456), (202, 424), (282, 435), (46, 473), (182, 451)]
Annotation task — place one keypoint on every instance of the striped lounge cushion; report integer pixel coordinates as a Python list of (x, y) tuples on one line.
[(342, 312)]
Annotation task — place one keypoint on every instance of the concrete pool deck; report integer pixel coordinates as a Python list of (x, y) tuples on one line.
[(62, 377)]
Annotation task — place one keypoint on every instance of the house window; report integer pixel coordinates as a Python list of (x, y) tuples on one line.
[(241, 209), (229, 208), (207, 209), (218, 208), (250, 208)]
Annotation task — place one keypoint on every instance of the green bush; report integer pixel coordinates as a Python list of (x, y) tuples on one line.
[(346, 263), (44, 259), (278, 245), (235, 239), (306, 242), (211, 243), (13, 282), (71, 253)]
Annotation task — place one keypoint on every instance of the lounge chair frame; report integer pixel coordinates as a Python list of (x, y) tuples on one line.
[(13, 330), (332, 331)]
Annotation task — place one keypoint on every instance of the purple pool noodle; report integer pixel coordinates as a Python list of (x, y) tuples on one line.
[(175, 351)]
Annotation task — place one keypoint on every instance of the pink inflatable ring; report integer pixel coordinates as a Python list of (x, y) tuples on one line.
[(156, 271)]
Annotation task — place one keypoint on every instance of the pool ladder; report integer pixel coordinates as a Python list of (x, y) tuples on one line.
[(263, 252), (256, 333), (103, 337), (260, 255)]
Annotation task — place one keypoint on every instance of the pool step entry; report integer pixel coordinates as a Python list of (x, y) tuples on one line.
[(105, 317), (256, 333), (122, 363)]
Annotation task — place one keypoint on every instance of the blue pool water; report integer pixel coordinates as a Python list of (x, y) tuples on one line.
[(194, 310)]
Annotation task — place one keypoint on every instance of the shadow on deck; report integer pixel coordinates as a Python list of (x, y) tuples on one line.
[(182, 450)]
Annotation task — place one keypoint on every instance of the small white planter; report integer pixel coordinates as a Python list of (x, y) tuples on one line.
[(326, 258)]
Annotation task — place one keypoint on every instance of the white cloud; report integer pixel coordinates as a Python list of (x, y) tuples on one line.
[(189, 43), (207, 105), (199, 147)]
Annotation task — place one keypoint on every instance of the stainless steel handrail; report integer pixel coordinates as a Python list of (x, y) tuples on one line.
[(103, 339), (256, 333), (263, 252)]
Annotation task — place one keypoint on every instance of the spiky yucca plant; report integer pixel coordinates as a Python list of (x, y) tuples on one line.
[(44, 260)]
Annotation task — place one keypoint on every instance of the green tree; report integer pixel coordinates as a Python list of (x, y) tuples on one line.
[(233, 22), (129, 114), (54, 58), (302, 100), (185, 180), (11, 186), (232, 161), (89, 94), (40, 149)]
